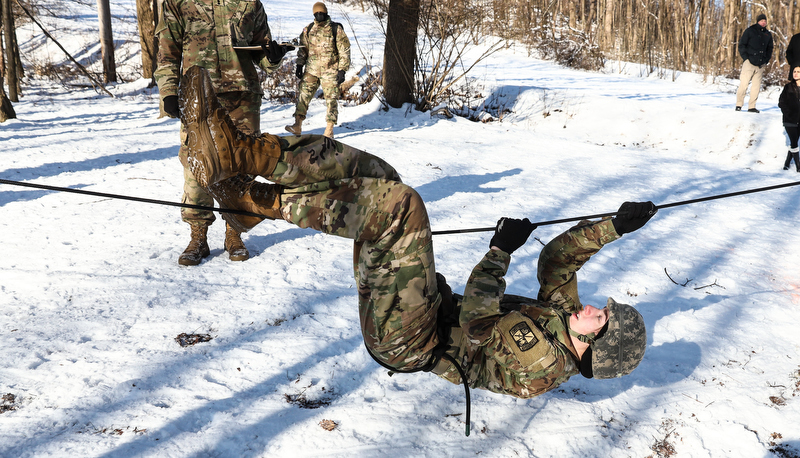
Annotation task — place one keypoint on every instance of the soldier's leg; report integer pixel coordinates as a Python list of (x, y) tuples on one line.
[(218, 149), (331, 91), (308, 87), (244, 109), (393, 260), (313, 158), (193, 193)]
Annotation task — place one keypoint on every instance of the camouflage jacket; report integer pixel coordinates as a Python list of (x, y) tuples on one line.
[(319, 56), (517, 345), (203, 33)]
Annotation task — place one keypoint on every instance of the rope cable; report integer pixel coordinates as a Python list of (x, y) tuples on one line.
[(446, 232)]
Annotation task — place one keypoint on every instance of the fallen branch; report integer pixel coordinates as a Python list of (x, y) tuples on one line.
[(707, 286), (673, 281)]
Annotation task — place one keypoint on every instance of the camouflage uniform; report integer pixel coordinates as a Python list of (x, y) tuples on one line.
[(203, 32), (508, 344), (322, 63), (517, 345), (343, 191)]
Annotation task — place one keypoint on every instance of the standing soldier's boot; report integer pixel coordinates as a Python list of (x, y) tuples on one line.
[(198, 246), (329, 130), (234, 245), (788, 160), (297, 127)]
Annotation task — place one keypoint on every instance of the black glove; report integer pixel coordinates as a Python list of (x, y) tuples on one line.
[(511, 234), (299, 71), (633, 215), (171, 106), (340, 78), (274, 51)]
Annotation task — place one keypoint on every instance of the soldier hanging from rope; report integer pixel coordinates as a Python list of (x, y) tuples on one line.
[(410, 320)]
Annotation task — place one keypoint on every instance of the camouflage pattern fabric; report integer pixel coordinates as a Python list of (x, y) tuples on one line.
[(244, 108), (626, 336), (560, 260), (322, 63), (309, 159), (527, 351), (204, 32), (343, 191), (318, 56), (308, 87)]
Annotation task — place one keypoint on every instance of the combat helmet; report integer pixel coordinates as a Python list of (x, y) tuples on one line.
[(619, 346)]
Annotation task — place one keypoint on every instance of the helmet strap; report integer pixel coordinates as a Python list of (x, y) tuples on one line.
[(588, 339)]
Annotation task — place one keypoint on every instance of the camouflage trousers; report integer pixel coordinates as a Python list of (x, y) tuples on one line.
[(340, 190), (308, 87), (245, 111)]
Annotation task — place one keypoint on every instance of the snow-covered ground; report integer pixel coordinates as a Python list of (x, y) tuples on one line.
[(92, 298)]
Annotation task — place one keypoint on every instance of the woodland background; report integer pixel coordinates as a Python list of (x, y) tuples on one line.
[(700, 36)]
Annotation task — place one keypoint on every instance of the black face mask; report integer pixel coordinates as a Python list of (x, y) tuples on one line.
[(320, 17)]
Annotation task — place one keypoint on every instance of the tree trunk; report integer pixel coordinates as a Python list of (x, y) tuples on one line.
[(400, 51), (106, 41), (147, 37), (12, 52), (6, 109)]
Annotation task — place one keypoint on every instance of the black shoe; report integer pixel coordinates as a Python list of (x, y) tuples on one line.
[(738, 108), (786, 168), (753, 110)]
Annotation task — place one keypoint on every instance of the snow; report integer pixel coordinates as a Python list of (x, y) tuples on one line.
[(92, 298)]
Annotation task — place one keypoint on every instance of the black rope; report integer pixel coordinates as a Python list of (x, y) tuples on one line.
[(452, 231), (602, 215), (135, 199)]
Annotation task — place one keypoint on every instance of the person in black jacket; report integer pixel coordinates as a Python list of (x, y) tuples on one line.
[(793, 53), (789, 102), (755, 47)]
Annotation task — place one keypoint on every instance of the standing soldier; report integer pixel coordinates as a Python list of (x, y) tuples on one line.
[(203, 33), (325, 56)]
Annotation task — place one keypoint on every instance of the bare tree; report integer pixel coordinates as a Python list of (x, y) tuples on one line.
[(400, 51), (106, 41), (6, 109), (146, 18), (12, 51)]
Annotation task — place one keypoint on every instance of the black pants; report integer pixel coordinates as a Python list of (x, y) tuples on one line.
[(794, 134)]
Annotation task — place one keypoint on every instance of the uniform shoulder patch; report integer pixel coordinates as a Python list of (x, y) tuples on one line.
[(523, 336), (527, 341)]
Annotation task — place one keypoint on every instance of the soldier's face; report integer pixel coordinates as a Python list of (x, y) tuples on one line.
[(590, 319)]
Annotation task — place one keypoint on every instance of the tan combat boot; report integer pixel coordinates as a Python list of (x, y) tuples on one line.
[(216, 148), (329, 130), (241, 193), (198, 246), (234, 245), (297, 127)]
